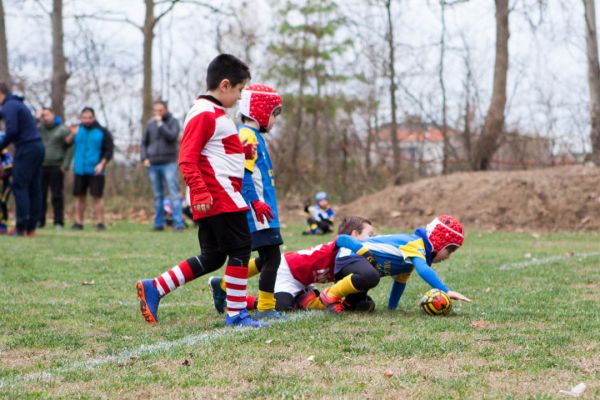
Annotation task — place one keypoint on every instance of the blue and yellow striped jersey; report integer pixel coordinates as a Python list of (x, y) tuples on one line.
[(397, 256), (259, 179)]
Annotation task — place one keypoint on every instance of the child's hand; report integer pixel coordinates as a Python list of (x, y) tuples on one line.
[(204, 203), (458, 296), (262, 211)]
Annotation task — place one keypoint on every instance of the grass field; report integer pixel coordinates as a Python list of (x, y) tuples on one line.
[(70, 326)]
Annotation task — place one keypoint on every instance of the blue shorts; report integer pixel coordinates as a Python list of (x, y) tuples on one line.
[(266, 237)]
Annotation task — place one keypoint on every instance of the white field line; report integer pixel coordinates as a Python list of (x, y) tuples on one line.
[(546, 260), (128, 355)]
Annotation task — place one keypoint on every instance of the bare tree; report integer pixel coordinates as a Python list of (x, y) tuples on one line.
[(59, 71), (393, 87), (591, 40), (150, 21), (493, 126), (4, 71)]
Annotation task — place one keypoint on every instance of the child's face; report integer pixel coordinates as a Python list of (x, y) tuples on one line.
[(444, 254), (230, 94), (323, 203), (367, 232), (273, 118)]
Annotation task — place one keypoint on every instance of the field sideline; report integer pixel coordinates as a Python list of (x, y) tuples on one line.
[(70, 326)]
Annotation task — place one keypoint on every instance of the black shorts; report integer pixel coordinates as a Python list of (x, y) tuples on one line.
[(266, 237), (223, 232), (95, 183)]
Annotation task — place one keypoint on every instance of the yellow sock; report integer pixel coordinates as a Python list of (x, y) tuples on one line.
[(252, 271), (266, 301), (315, 304), (343, 288)]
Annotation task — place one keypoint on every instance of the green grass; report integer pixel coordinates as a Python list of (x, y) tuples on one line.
[(70, 326)]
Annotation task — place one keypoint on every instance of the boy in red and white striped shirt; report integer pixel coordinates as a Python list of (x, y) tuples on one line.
[(211, 159)]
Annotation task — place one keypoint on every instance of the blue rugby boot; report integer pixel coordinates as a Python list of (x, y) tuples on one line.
[(269, 314), (244, 319), (218, 294), (149, 299)]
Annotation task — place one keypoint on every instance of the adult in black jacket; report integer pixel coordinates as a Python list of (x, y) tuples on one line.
[(159, 155)]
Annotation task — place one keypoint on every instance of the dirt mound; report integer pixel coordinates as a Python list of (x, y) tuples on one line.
[(562, 198)]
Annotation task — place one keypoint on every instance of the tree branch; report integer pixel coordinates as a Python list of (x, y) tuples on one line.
[(119, 19), (165, 12)]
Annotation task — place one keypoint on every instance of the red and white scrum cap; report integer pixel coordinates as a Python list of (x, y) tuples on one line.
[(445, 231), (258, 102)]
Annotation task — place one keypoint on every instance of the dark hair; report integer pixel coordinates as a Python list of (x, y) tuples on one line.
[(164, 103), (353, 223), (226, 66), (4, 87), (48, 109), (88, 109)]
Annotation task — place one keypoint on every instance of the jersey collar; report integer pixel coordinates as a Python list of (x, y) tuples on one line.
[(422, 233)]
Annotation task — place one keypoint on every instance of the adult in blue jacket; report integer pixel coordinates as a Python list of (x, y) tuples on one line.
[(93, 150), (21, 130)]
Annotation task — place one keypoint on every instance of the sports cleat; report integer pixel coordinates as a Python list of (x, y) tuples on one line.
[(270, 314), (365, 305), (333, 304), (149, 299), (218, 294), (305, 298), (243, 319)]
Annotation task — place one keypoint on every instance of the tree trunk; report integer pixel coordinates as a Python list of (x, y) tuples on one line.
[(148, 32), (446, 147), (4, 71), (59, 72), (392, 71), (494, 120), (591, 41)]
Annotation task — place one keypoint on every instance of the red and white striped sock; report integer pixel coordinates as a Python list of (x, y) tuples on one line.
[(236, 279), (173, 278), (251, 302)]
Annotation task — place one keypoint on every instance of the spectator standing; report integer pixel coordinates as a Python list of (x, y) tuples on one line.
[(57, 142), (21, 130), (159, 155), (93, 150)]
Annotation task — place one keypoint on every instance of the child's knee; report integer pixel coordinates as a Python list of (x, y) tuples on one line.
[(366, 279), (239, 257), (284, 301)]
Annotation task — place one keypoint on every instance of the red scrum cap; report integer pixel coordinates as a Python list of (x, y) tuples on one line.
[(258, 102), (445, 231)]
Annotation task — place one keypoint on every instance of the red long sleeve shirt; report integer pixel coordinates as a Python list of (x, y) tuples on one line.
[(211, 159)]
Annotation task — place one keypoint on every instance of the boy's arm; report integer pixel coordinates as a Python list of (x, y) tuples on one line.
[(349, 242), (356, 246), (395, 294), (428, 274), (197, 132), (261, 209)]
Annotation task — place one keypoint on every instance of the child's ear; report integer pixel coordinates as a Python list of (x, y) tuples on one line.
[(225, 84)]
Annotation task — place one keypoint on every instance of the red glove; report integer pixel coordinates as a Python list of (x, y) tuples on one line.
[(201, 201), (262, 211), (250, 151)]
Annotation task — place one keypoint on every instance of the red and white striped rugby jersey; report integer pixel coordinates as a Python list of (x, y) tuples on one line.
[(211, 158)]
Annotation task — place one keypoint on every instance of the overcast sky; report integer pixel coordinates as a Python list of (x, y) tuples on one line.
[(547, 69)]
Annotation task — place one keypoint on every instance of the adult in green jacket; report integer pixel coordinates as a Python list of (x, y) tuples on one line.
[(57, 141)]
